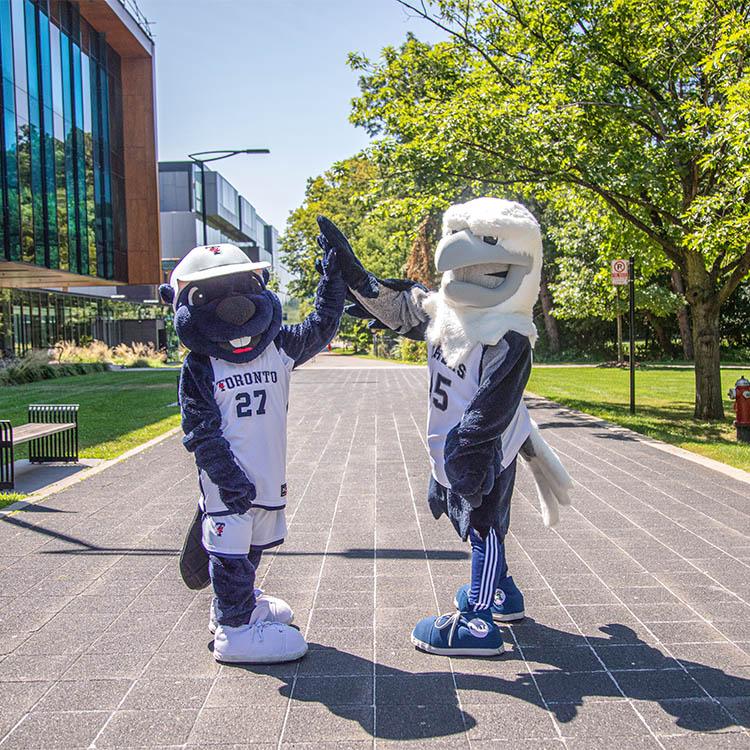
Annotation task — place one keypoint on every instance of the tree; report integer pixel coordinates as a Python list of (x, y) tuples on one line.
[(420, 265), (346, 194), (641, 104)]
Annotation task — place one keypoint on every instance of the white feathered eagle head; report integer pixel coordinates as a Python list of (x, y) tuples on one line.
[(490, 256)]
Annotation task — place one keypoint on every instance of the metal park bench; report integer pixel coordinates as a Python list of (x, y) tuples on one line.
[(52, 435)]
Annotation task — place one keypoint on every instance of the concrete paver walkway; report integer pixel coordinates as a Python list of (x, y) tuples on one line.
[(638, 632)]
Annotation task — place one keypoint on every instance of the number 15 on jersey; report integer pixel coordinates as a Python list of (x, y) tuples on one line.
[(438, 384)]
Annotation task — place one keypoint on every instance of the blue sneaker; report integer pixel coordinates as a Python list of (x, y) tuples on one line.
[(459, 634), (507, 605)]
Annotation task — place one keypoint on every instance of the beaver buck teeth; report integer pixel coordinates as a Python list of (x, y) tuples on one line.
[(240, 342)]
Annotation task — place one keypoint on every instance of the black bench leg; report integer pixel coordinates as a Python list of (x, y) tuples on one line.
[(7, 471), (62, 446)]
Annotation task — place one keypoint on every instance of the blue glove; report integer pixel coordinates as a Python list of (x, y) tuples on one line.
[(354, 273)]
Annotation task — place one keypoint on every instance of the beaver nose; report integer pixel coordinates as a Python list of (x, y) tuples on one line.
[(235, 310)]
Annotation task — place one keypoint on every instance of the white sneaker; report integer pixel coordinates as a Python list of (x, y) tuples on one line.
[(278, 609), (261, 641)]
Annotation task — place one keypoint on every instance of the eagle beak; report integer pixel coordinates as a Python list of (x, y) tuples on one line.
[(466, 249)]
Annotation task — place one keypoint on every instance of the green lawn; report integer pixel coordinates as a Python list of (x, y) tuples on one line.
[(8, 498), (118, 410), (664, 405)]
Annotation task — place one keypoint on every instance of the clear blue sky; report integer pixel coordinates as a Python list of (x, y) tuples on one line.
[(267, 73)]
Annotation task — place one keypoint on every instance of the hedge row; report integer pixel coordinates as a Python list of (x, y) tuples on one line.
[(30, 372)]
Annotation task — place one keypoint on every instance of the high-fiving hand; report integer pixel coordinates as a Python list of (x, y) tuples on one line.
[(355, 275)]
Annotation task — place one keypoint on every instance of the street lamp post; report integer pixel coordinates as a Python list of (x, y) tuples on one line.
[(222, 154)]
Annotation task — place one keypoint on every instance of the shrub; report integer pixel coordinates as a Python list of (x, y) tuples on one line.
[(413, 351), (36, 365), (96, 351), (134, 355), (138, 355)]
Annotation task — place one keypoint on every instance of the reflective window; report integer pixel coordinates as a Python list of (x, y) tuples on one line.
[(19, 43), (10, 216), (62, 200), (58, 135)]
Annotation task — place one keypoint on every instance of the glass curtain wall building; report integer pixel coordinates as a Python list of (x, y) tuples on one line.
[(62, 168), (37, 319), (77, 136)]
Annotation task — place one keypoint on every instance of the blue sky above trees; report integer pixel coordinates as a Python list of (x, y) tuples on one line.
[(267, 73)]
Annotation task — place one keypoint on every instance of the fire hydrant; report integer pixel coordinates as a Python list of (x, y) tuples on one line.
[(740, 394)]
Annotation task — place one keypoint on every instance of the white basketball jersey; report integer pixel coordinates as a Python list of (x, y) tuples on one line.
[(451, 391), (253, 399)]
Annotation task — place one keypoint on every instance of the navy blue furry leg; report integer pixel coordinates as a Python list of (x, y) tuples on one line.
[(502, 566), (233, 579)]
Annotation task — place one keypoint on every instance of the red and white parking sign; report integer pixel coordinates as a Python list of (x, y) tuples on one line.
[(620, 273)]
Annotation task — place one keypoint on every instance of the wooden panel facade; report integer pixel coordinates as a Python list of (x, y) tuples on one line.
[(136, 50)]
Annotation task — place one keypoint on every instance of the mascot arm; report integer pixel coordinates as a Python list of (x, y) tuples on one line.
[(397, 305), (392, 303), (473, 448), (312, 335), (201, 422)]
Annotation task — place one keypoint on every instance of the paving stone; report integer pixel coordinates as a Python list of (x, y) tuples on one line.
[(508, 720), (635, 656), (571, 660), (707, 742), (720, 684), (599, 719), (57, 729), (685, 632), (236, 689), (335, 690), (34, 667), (105, 666), (311, 723), (168, 693), (419, 689), (685, 717), (194, 664), (418, 723), (559, 687), (147, 728), (658, 684), (643, 742), (84, 695), (18, 698)]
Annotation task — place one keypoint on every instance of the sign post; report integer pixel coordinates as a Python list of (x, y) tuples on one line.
[(623, 272), (631, 269)]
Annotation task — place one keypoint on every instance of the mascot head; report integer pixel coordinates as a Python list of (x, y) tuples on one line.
[(490, 256), (222, 307)]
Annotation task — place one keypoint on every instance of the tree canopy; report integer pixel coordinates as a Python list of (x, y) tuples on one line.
[(623, 124), (638, 109)]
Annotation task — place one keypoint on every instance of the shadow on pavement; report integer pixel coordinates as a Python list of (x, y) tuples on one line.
[(82, 547), (425, 704), (384, 553)]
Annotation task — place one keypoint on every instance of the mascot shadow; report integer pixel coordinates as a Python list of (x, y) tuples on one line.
[(425, 705)]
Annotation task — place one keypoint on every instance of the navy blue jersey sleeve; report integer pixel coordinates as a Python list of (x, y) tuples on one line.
[(313, 334), (201, 423), (473, 448)]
